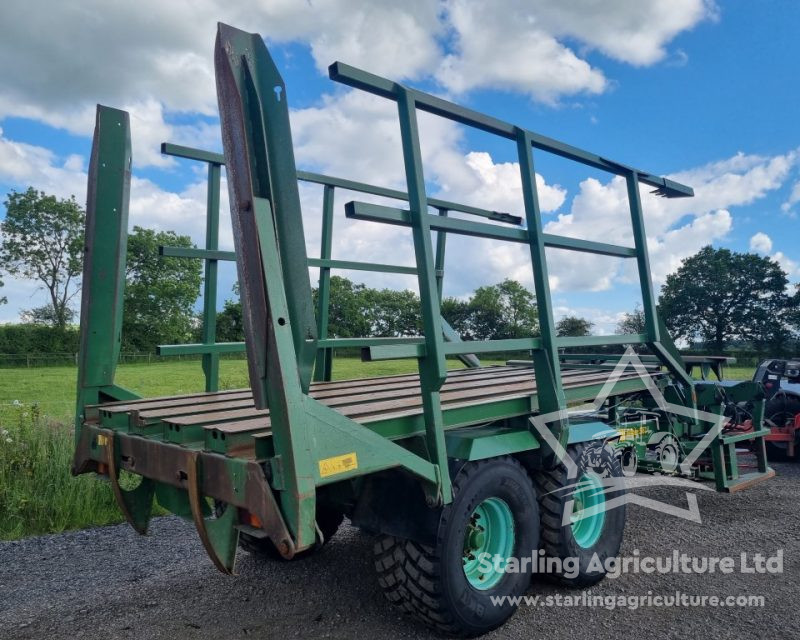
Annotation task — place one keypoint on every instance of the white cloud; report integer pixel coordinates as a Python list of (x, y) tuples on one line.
[(676, 228), (154, 58), (793, 199), (791, 267), (761, 243), (521, 45)]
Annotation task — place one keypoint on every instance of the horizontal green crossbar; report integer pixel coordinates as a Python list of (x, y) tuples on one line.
[(398, 351), (351, 185), (191, 252), (361, 266), (386, 88), (197, 348), (402, 217), (591, 341), (343, 343), (179, 151)]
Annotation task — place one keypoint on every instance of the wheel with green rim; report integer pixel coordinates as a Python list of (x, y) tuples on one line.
[(489, 532), (588, 510), (449, 585), (594, 524)]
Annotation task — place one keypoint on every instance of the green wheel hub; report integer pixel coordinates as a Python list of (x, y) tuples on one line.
[(490, 530), (588, 513)]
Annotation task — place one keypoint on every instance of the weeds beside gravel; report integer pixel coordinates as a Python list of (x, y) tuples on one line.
[(37, 492)]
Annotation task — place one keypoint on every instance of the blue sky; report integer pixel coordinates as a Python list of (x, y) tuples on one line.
[(702, 91)]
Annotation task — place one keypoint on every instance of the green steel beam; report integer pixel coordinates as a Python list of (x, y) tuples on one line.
[(441, 247), (402, 217), (371, 83), (592, 341), (323, 366), (104, 258), (432, 366), (201, 254), (360, 266), (199, 348), (357, 343), (209, 335), (351, 185), (400, 351), (545, 360), (179, 151)]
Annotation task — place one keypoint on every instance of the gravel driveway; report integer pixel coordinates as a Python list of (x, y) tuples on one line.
[(111, 583)]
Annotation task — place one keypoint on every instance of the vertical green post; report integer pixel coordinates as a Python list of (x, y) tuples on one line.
[(105, 252), (642, 261), (211, 360), (438, 265), (324, 365), (432, 367), (661, 344), (545, 360)]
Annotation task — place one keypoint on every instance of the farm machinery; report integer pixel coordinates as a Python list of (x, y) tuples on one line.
[(781, 381), (446, 467)]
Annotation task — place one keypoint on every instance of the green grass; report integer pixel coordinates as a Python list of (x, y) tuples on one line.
[(38, 494)]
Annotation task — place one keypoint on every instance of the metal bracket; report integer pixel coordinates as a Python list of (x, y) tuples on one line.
[(136, 504), (219, 536)]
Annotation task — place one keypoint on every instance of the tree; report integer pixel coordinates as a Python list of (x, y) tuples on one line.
[(230, 326), (345, 311), (457, 313), (631, 323), (573, 326), (391, 313), (160, 293), (504, 310), (3, 299), (43, 241), (719, 296), (47, 316)]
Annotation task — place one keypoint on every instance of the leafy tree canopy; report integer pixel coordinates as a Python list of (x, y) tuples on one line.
[(160, 293), (43, 241), (573, 326), (720, 296)]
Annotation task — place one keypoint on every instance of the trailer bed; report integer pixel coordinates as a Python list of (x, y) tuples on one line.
[(228, 421)]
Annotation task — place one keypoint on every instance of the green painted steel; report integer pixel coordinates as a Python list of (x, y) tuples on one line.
[(489, 534), (272, 470), (366, 81), (104, 260), (402, 217), (588, 431), (545, 360), (211, 360), (324, 362), (432, 366), (480, 443), (588, 510)]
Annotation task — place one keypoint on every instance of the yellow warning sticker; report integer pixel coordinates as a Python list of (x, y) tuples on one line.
[(102, 440), (338, 464)]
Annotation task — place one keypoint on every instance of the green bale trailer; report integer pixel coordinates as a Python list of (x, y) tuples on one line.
[(446, 468)]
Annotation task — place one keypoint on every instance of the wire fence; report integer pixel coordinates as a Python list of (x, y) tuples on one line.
[(33, 360)]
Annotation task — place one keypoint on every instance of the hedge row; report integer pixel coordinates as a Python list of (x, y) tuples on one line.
[(37, 339)]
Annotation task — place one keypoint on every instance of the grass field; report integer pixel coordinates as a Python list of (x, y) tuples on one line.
[(38, 494)]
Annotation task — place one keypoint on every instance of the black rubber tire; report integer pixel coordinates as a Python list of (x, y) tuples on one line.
[(777, 410), (328, 521), (429, 582), (555, 490)]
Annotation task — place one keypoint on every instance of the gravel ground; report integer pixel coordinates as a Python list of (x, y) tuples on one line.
[(111, 583)]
